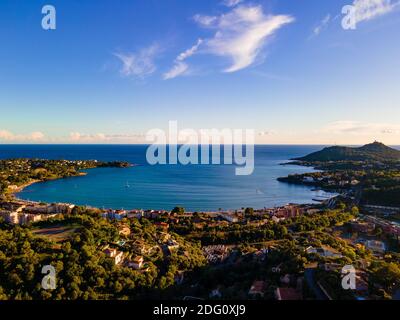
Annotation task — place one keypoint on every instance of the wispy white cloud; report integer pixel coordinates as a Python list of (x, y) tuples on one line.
[(180, 67), (231, 3), (322, 25), (346, 127), (140, 64), (6, 135), (78, 137), (188, 53), (204, 20), (241, 33), (369, 9)]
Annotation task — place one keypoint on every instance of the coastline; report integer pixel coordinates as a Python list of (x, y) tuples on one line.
[(22, 187), (18, 189)]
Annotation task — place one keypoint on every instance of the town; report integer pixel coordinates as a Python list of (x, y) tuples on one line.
[(291, 252)]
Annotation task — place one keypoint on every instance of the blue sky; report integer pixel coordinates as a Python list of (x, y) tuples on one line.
[(112, 70)]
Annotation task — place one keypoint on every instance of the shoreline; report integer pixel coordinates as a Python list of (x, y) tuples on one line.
[(20, 188)]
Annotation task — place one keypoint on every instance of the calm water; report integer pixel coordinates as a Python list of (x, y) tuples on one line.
[(195, 187)]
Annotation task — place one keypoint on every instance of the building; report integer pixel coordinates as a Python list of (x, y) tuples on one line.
[(324, 251), (172, 245), (114, 254), (13, 206), (114, 214), (288, 211), (10, 216), (136, 263), (230, 217), (216, 253), (64, 208), (154, 214), (26, 218), (138, 214)]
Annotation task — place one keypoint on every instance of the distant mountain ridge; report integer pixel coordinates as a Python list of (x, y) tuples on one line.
[(375, 151)]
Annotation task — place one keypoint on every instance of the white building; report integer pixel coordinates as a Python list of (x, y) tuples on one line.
[(136, 263), (114, 254)]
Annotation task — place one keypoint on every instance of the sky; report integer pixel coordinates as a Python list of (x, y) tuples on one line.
[(112, 70)]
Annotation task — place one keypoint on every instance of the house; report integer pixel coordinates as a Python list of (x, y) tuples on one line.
[(230, 217), (288, 294), (114, 214), (257, 289), (114, 254), (324, 251), (136, 263), (138, 214), (64, 208), (172, 245), (10, 216), (215, 253), (29, 217), (154, 214)]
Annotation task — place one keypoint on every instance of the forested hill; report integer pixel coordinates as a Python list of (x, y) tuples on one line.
[(375, 151)]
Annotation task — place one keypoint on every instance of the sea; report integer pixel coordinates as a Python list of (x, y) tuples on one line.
[(145, 186)]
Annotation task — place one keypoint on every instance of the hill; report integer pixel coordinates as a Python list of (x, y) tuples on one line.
[(375, 151)]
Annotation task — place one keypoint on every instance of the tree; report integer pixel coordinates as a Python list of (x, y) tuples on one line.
[(355, 211), (178, 210)]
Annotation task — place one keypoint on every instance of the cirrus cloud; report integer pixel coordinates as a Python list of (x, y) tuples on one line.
[(369, 9), (180, 67), (241, 34), (140, 64)]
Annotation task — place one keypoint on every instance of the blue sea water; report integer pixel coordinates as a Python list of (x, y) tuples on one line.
[(195, 187)]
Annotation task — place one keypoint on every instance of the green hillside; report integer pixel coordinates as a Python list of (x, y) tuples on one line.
[(371, 152)]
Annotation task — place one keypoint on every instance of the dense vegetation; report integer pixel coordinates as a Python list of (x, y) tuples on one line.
[(371, 152), (83, 270), (17, 172)]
